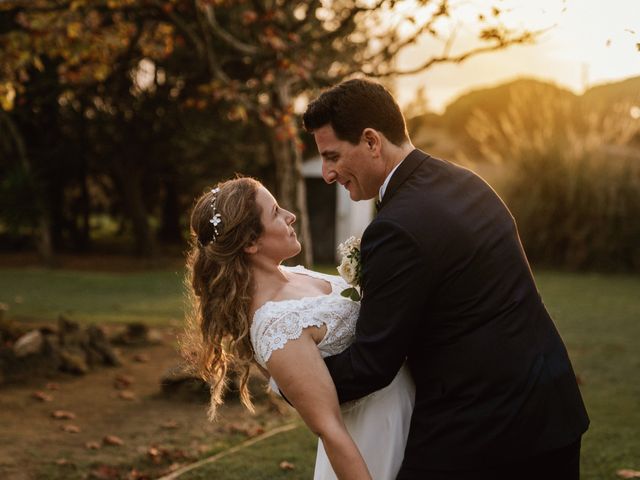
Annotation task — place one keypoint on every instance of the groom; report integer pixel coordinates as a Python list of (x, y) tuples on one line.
[(447, 287)]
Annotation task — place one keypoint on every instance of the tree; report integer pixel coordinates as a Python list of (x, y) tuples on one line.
[(256, 58)]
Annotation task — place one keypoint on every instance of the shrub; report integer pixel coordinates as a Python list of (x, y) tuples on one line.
[(571, 178)]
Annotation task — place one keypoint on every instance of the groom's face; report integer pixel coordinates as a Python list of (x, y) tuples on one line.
[(352, 166)]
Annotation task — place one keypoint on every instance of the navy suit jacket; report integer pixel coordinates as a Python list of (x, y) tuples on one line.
[(447, 287)]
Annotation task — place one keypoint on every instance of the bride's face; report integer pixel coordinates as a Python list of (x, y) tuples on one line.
[(278, 240)]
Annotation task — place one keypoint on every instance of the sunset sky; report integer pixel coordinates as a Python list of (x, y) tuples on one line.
[(589, 42)]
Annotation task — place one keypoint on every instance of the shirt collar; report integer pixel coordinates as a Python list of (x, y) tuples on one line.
[(383, 188)]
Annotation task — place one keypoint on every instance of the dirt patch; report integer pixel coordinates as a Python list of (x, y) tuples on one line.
[(158, 433)]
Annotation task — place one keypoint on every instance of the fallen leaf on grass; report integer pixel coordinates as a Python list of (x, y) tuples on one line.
[(70, 428), (121, 382), (284, 465), (249, 431), (62, 461), (135, 474), (127, 395), (112, 440), (52, 386), (170, 424), (104, 472), (153, 452), (63, 415), (625, 473), (92, 446), (43, 397)]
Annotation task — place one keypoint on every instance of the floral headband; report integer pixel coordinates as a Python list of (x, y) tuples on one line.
[(216, 219)]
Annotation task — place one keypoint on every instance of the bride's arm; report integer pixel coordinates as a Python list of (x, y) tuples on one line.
[(303, 377)]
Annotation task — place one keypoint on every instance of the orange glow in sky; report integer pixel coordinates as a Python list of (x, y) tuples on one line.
[(589, 42)]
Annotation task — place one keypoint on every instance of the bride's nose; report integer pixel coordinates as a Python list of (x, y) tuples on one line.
[(292, 218)]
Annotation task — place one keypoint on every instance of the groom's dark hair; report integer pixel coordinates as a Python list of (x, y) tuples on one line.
[(354, 105)]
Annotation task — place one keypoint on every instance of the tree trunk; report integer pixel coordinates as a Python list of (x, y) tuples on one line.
[(291, 192), (170, 231), (43, 242), (129, 182), (84, 235), (85, 225), (44, 245)]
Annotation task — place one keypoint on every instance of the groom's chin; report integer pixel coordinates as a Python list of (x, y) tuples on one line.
[(359, 196)]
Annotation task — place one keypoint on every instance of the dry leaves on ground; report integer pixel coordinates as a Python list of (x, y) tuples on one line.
[(159, 454), (141, 357), (626, 473), (122, 382), (248, 430), (169, 424), (104, 472), (112, 440), (284, 465), (63, 415), (70, 428), (127, 395), (43, 397)]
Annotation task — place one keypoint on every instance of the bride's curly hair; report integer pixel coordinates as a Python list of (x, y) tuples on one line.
[(219, 287)]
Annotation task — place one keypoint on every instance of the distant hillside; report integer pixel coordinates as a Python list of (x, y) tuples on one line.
[(494, 100), (446, 135), (615, 92)]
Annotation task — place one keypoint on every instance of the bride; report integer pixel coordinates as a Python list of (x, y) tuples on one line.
[(248, 307)]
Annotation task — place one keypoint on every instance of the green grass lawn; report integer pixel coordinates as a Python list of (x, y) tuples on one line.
[(153, 297), (598, 317)]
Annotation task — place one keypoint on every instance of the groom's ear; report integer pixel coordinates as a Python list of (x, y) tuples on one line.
[(372, 138)]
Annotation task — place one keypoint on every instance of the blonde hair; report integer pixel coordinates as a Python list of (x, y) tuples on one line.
[(219, 285)]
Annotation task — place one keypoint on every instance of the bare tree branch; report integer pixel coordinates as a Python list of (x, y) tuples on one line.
[(184, 28), (214, 67), (524, 38), (232, 41), (347, 21)]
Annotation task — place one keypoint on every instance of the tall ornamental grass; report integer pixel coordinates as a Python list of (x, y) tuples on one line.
[(570, 175)]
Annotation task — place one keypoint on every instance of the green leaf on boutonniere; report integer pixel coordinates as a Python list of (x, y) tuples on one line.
[(351, 293)]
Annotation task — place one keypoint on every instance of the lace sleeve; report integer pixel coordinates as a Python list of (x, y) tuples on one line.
[(273, 327)]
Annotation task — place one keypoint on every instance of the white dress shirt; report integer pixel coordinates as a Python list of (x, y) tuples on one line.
[(383, 188)]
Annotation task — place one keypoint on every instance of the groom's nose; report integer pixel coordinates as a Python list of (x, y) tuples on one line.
[(328, 174)]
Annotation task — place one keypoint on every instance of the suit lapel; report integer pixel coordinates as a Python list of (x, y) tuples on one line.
[(404, 171)]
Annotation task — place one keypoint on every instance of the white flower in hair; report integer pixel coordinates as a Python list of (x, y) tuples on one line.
[(216, 219)]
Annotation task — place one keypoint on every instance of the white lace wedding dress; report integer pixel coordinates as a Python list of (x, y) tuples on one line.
[(379, 423)]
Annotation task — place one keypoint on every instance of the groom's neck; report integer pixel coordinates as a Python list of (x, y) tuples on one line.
[(394, 154)]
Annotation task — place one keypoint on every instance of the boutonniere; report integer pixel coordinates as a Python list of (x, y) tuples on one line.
[(349, 268)]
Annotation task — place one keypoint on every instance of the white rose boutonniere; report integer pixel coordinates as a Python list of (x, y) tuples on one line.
[(349, 268)]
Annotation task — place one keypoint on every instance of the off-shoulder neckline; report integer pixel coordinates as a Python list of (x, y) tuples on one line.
[(303, 271)]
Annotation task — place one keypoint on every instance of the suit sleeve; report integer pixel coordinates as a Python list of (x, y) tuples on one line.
[(395, 287)]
